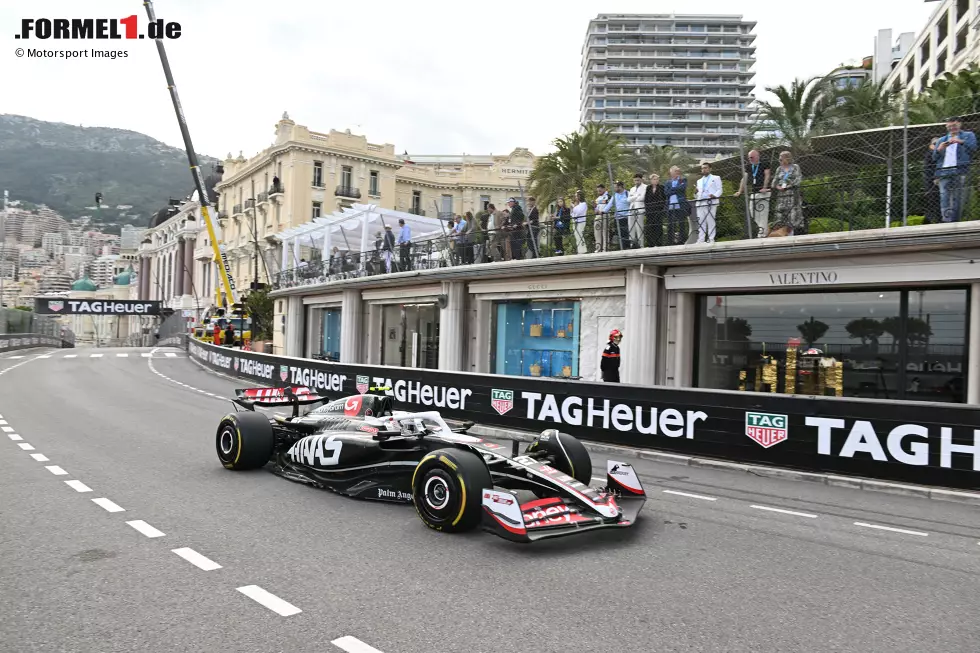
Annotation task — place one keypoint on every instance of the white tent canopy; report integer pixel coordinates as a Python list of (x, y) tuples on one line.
[(352, 229)]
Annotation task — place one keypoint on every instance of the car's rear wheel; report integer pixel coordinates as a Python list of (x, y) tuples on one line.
[(244, 441), (447, 488), (568, 454)]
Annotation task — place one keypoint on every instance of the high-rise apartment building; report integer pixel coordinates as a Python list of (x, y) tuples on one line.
[(670, 79)]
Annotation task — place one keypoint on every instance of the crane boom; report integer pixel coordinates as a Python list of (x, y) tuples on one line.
[(231, 296)]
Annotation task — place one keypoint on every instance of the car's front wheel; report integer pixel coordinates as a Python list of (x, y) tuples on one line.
[(447, 489), (244, 440)]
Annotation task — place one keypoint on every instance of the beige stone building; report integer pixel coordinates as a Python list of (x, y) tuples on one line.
[(320, 173)]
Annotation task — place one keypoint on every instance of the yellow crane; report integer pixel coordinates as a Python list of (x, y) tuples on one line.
[(227, 281)]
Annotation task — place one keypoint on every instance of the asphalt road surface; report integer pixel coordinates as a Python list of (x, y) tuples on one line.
[(120, 531)]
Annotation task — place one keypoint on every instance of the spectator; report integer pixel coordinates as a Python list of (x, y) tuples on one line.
[(580, 214), (708, 192), (789, 205), (516, 226), (404, 245), (655, 206), (930, 183), (469, 230), (603, 202), (505, 233), (637, 216), (477, 237), (562, 217), (495, 233), (230, 335), (955, 151), (678, 208), (621, 206), (462, 240), (760, 173), (388, 248), (533, 227)]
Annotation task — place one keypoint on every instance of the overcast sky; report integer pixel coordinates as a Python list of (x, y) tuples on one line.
[(430, 77)]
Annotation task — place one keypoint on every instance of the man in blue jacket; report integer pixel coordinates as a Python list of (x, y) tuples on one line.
[(953, 155)]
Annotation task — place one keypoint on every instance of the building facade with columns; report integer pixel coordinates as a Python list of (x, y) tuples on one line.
[(887, 313), (319, 173)]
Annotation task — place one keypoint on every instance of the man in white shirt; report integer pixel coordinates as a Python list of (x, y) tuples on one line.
[(601, 226), (637, 210), (709, 190)]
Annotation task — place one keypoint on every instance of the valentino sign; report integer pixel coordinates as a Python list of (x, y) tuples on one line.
[(95, 307)]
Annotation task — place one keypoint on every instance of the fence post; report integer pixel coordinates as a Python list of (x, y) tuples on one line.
[(905, 163), (748, 188)]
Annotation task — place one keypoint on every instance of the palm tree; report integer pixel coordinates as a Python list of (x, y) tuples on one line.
[(654, 158), (799, 115), (577, 157), (868, 106), (950, 95)]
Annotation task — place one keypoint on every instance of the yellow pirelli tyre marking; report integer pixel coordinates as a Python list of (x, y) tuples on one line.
[(448, 463), (462, 503)]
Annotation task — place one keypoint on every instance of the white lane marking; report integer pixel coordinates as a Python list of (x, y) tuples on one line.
[(170, 354), (71, 355), (145, 528), (353, 645), (25, 446), (1, 416), (785, 512), (40, 457), (269, 600), (692, 496), (14, 436), (78, 486), (891, 529), (13, 357), (57, 471), (45, 356), (95, 356), (122, 355), (196, 559), (7, 429), (146, 355), (3, 421), (111, 506)]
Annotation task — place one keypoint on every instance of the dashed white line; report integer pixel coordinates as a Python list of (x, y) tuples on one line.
[(146, 355), (7, 429), (71, 355), (170, 354), (3, 422), (78, 486), (196, 559), (40, 457), (353, 645), (890, 529), (691, 496), (783, 511), (45, 356), (14, 436), (269, 600), (13, 357), (122, 355), (145, 528), (95, 356), (111, 506), (57, 471), (25, 446)]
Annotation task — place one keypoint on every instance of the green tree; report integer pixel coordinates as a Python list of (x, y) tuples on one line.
[(579, 160), (949, 95), (868, 106), (660, 159), (799, 114), (812, 330), (867, 329), (261, 308)]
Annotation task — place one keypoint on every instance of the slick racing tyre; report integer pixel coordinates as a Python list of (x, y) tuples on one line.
[(570, 456), (244, 441), (447, 490)]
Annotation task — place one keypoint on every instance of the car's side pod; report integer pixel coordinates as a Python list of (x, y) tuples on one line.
[(502, 515), (622, 478)]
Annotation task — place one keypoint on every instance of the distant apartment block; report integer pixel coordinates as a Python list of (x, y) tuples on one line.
[(948, 43), (670, 79)]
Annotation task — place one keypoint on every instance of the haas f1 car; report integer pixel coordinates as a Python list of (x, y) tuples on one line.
[(359, 446)]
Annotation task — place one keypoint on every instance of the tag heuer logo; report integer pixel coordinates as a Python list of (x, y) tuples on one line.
[(284, 372), (363, 383), (236, 364), (767, 429), (502, 400), (56, 306)]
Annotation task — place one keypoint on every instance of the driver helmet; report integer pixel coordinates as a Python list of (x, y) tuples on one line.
[(616, 334)]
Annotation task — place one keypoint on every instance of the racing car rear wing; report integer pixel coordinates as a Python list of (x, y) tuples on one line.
[(265, 397)]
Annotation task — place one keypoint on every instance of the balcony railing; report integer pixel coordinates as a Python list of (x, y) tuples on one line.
[(348, 191), (263, 197), (276, 189), (249, 204), (417, 211), (236, 209)]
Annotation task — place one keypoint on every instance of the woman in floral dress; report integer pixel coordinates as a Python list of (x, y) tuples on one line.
[(789, 205)]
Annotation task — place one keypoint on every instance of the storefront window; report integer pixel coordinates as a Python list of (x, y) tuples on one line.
[(886, 345), (537, 338), (410, 335), (330, 334)]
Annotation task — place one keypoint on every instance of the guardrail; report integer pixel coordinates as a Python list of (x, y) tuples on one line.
[(915, 442), (15, 341)]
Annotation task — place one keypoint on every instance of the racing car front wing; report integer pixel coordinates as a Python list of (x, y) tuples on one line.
[(558, 516)]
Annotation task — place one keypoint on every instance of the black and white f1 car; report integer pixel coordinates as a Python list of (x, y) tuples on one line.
[(359, 446)]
